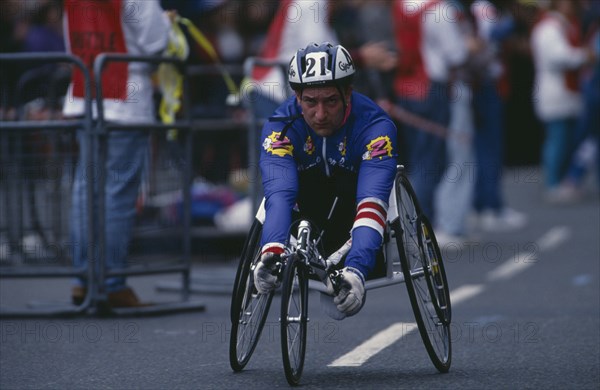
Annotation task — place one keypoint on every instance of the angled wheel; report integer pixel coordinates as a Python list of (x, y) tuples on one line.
[(294, 318), (249, 309), (418, 252)]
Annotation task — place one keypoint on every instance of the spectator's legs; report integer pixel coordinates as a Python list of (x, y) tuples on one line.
[(588, 134), (489, 146), (556, 150), (127, 154), (79, 212), (454, 196), (426, 151)]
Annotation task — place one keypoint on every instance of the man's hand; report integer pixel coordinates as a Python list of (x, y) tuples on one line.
[(172, 15), (351, 296), (265, 273), (376, 55)]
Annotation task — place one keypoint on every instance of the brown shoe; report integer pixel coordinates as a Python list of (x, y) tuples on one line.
[(125, 298), (78, 294)]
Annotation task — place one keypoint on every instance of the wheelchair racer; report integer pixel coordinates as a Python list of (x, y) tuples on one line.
[(327, 142)]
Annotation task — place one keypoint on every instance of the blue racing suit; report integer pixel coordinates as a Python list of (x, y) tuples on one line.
[(357, 165)]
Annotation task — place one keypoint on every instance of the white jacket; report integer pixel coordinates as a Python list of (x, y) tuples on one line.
[(553, 55)]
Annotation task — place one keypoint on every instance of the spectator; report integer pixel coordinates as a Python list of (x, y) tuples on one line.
[(454, 195), (295, 23), (87, 34), (588, 134), (15, 22), (367, 25), (489, 123), (42, 85), (558, 55), (430, 47), (522, 129)]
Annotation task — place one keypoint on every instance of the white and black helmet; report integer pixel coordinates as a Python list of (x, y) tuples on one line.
[(321, 65)]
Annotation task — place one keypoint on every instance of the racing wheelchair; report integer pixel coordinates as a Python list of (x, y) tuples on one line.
[(412, 256)]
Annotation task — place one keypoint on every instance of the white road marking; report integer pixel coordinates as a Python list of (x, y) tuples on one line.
[(511, 267), (553, 238), (374, 345), (521, 261), (359, 355), (465, 292)]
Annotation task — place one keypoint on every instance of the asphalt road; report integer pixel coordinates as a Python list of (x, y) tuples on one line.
[(526, 314)]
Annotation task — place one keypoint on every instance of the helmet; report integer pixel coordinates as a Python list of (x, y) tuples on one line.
[(321, 65)]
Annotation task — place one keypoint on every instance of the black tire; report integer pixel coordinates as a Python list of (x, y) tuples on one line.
[(434, 329), (435, 273), (249, 309), (294, 319)]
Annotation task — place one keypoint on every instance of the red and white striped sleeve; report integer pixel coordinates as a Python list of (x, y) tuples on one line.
[(371, 212), (273, 247)]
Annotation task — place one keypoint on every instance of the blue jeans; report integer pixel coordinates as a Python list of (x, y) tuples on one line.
[(489, 147), (126, 157), (588, 132), (426, 153), (557, 149)]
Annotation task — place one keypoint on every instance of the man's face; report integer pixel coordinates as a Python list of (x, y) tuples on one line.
[(323, 108)]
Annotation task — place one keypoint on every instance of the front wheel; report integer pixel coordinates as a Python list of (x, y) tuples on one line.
[(294, 318)]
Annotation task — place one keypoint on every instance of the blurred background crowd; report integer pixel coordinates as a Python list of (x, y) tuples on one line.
[(498, 34)]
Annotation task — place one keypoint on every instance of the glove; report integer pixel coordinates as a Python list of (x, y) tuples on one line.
[(265, 273), (351, 297)]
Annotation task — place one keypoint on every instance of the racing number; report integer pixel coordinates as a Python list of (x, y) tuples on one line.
[(311, 62)]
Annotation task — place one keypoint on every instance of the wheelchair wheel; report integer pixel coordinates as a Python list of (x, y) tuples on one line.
[(294, 319), (249, 309), (417, 240)]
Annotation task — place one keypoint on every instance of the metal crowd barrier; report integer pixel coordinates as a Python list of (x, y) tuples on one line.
[(15, 264), (103, 128), (12, 168)]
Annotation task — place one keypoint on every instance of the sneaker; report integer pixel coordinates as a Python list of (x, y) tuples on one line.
[(563, 194), (502, 221)]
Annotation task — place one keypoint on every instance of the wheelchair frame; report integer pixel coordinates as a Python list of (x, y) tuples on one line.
[(420, 267)]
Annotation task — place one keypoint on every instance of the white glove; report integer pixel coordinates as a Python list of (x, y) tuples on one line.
[(351, 297), (265, 273)]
